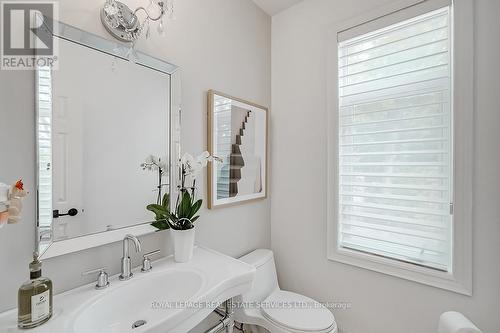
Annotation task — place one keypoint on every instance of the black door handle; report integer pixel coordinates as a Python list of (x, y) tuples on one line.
[(71, 212)]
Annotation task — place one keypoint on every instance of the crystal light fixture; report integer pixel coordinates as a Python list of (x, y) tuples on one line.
[(125, 25)]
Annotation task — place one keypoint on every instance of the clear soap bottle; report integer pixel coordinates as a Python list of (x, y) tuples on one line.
[(34, 298)]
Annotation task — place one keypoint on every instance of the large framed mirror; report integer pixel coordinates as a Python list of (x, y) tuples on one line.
[(237, 136), (99, 118)]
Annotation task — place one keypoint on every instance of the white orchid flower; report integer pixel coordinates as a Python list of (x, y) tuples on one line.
[(200, 163), (187, 162), (187, 159), (149, 163), (193, 166), (203, 159), (153, 163), (163, 166)]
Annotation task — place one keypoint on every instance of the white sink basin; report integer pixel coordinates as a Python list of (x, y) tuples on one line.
[(171, 298), (140, 300)]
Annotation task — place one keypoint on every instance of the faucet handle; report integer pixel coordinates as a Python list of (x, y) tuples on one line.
[(102, 278), (146, 262)]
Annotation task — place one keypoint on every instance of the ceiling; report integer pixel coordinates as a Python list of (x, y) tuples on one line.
[(273, 7)]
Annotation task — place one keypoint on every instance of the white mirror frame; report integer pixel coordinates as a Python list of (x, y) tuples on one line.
[(118, 50)]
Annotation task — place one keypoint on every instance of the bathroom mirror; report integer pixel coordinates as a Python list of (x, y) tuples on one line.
[(99, 117), (237, 134)]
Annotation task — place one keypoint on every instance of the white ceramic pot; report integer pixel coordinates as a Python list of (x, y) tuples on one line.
[(183, 244)]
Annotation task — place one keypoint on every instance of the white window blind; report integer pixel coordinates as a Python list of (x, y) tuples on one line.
[(44, 123), (395, 141)]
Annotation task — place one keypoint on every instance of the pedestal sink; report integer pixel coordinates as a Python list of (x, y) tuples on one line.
[(133, 305), (171, 298)]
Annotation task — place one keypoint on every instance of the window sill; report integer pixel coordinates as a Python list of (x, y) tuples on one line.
[(403, 270)]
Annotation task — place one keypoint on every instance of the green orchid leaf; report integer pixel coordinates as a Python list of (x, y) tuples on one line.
[(161, 225), (159, 213), (166, 201), (195, 208), (155, 207), (186, 225), (185, 206)]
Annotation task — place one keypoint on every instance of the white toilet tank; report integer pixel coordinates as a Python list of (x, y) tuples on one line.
[(266, 280)]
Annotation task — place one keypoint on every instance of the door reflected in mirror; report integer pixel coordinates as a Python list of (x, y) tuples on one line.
[(238, 136)]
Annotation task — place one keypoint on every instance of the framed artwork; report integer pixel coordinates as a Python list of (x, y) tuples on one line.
[(238, 136)]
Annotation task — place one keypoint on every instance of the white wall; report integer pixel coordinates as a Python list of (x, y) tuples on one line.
[(197, 41), (380, 303)]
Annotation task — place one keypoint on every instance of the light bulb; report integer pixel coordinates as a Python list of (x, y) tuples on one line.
[(148, 30), (110, 7), (161, 27)]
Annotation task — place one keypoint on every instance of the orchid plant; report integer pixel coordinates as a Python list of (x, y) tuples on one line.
[(153, 163), (186, 206)]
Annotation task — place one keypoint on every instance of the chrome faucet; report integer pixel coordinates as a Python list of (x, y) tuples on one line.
[(126, 269)]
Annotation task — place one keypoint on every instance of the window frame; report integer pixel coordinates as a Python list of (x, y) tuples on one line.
[(459, 280)]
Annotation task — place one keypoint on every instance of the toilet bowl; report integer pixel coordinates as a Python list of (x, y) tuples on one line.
[(277, 311)]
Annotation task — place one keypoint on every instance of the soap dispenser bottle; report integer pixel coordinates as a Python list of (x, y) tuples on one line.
[(34, 298)]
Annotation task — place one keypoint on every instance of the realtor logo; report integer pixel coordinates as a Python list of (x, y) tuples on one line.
[(26, 38)]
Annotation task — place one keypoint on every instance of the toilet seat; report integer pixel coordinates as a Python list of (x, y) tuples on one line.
[(297, 313)]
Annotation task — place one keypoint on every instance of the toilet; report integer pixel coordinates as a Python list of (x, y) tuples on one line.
[(267, 307)]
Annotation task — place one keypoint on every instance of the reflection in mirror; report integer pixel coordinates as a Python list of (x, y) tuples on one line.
[(238, 135), (98, 118)]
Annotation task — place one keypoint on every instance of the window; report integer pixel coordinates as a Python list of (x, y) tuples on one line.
[(44, 137), (395, 141), (44, 123), (393, 186)]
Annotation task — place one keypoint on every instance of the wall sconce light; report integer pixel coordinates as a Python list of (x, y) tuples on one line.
[(125, 25)]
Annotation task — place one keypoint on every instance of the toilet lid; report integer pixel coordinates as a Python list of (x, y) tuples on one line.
[(297, 312)]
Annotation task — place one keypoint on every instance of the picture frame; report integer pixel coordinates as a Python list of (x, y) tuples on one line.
[(238, 138)]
